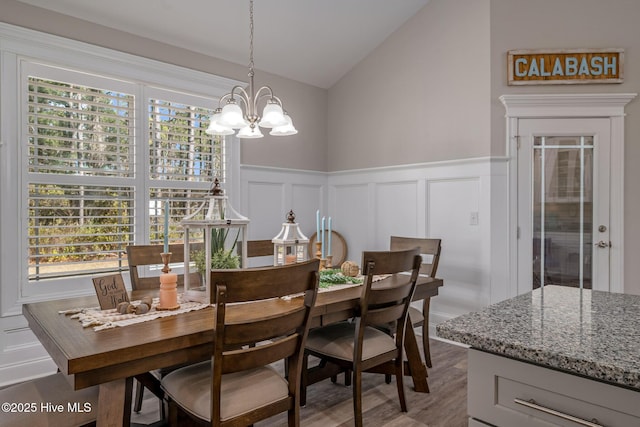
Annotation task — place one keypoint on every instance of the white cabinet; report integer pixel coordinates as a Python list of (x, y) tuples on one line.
[(505, 392)]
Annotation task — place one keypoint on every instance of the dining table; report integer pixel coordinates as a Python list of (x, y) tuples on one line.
[(111, 358)]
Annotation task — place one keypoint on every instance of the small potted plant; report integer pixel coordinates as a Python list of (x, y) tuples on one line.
[(221, 258)]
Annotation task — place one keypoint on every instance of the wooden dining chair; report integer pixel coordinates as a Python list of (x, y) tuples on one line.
[(239, 386), (259, 249), (361, 345), (138, 257), (55, 391), (430, 250)]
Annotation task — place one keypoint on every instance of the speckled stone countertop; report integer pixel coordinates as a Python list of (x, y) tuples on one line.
[(590, 333)]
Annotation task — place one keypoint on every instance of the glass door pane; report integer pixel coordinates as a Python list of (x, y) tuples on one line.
[(562, 210)]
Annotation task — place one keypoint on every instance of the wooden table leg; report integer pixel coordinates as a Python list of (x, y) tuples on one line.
[(114, 403), (417, 368)]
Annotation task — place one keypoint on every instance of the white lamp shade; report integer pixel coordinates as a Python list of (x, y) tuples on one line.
[(215, 128), (232, 116), (286, 129), (249, 133), (272, 116)]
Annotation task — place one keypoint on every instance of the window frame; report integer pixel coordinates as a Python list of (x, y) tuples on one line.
[(19, 48)]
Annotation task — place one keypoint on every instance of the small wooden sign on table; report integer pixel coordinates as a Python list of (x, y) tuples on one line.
[(110, 290)]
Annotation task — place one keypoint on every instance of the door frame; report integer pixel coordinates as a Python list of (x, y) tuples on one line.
[(600, 105)]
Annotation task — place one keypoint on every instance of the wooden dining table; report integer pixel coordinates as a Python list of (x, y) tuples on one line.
[(110, 358)]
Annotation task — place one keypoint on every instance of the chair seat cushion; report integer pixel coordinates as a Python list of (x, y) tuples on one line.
[(53, 389), (241, 392), (337, 340)]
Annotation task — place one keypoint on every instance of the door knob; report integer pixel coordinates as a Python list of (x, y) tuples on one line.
[(603, 244)]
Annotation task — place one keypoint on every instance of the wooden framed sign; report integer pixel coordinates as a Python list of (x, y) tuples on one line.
[(110, 290), (577, 66)]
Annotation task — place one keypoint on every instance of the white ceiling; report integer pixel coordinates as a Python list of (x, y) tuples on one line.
[(312, 41)]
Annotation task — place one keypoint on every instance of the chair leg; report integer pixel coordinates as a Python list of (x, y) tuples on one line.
[(425, 332), (139, 396), (400, 383), (357, 397), (303, 379)]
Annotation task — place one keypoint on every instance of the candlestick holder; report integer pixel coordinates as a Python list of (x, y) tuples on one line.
[(166, 260), (322, 264), (329, 262), (319, 250), (168, 286)]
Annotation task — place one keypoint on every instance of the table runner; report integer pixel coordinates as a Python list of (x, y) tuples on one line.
[(107, 319)]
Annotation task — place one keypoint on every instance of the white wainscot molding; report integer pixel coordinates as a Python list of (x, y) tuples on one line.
[(452, 201)]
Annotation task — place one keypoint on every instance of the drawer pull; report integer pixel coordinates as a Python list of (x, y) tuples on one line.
[(532, 404)]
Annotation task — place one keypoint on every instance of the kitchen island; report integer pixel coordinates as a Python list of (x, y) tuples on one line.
[(554, 356)]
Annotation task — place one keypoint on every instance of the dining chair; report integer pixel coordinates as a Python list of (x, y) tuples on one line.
[(140, 256), (239, 385), (431, 248), (53, 390), (361, 345), (258, 249)]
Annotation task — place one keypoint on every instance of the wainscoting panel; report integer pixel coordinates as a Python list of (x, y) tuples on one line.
[(269, 193), (447, 200), (396, 207)]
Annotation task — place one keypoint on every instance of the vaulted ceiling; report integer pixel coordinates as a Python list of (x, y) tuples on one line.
[(312, 41)]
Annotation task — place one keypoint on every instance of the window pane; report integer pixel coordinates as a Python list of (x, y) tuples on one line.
[(77, 129), (181, 203), (78, 229), (179, 149), (562, 211)]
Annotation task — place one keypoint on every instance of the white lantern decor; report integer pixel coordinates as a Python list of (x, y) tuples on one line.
[(221, 229), (290, 245)]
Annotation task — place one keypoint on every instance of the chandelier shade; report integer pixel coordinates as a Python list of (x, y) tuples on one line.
[(244, 115), (286, 129), (232, 116), (249, 132), (215, 128)]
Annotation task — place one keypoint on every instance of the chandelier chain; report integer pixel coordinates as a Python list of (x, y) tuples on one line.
[(251, 38)]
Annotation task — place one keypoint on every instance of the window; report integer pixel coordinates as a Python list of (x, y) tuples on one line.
[(84, 188), (94, 142)]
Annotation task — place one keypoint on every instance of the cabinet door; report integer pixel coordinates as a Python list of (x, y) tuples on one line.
[(506, 392)]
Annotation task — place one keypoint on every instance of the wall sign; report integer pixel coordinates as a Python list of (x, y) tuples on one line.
[(540, 67)]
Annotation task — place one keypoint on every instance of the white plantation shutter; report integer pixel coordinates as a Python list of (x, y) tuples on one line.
[(95, 182)]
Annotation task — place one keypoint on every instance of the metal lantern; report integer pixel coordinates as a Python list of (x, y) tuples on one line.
[(290, 245), (222, 231)]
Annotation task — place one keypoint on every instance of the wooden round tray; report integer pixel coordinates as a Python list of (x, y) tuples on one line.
[(338, 248)]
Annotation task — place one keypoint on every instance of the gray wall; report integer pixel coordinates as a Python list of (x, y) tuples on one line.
[(423, 95), (547, 24), (306, 104)]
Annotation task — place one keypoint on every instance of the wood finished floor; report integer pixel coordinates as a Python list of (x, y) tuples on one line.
[(330, 405)]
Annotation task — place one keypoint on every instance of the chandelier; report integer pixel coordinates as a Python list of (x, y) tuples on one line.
[(244, 115)]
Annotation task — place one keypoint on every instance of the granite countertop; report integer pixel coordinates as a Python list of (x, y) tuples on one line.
[(590, 333)]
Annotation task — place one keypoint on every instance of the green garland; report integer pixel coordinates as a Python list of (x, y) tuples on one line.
[(331, 277)]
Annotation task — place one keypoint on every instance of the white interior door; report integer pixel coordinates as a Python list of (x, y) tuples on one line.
[(563, 203)]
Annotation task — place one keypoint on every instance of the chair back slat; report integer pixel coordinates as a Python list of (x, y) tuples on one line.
[(258, 248), (264, 329), (274, 282), (388, 262), (386, 315), (260, 355), (389, 295), (430, 250), (149, 255)]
